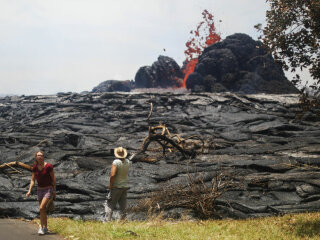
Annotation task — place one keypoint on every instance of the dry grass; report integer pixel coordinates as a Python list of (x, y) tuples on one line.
[(290, 227), (199, 194)]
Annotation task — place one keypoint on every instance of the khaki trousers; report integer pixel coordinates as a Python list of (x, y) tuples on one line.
[(116, 195)]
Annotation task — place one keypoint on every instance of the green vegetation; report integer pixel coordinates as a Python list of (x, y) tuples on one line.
[(293, 226), (292, 35)]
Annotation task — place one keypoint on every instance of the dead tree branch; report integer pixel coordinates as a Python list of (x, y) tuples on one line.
[(15, 164), (164, 142), (14, 169), (161, 135)]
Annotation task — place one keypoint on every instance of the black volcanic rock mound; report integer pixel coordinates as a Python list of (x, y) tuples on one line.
[(165, 72), (239, 64), (114, 86)]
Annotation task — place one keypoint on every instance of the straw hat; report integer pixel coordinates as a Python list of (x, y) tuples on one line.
[(120, 152)]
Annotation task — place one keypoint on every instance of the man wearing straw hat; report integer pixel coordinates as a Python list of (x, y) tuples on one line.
[(118, 184)]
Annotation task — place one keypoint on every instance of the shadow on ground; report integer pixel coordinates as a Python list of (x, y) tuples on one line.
[(307, 228)]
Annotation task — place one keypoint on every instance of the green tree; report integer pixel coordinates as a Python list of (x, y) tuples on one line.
[(292, 35)]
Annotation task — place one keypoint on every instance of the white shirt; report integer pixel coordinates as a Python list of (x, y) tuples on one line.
[(121, 178)]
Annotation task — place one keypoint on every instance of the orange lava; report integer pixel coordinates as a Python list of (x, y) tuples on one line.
[(189, 68), (198, 42)]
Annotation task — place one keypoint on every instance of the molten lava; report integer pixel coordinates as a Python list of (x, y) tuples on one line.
[(197, 43), (188, 69)]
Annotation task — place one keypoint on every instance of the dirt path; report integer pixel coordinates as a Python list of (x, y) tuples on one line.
[(15, 229)]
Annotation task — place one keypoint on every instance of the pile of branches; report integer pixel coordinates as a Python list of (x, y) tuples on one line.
[(198, 195)]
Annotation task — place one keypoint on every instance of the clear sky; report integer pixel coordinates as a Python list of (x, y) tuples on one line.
[(50, 46)]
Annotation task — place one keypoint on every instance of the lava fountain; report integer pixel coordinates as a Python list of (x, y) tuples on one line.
[(198, 42)]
